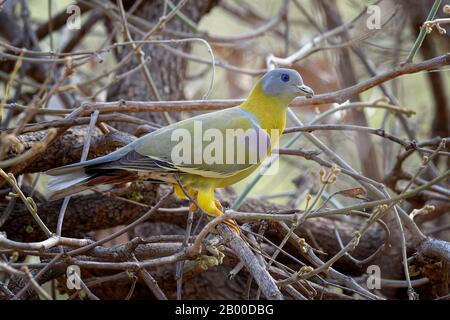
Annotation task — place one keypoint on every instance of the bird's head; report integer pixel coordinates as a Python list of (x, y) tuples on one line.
[(284, 83)]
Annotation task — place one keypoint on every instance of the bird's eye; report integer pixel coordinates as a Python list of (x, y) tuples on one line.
[(285, 77)]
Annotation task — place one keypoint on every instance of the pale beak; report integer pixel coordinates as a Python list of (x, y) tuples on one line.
[(305, 91)]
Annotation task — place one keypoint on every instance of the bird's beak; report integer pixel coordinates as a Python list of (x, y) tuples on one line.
[(305, 91)]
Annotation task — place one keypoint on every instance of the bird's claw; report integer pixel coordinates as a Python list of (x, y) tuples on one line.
[(218, 205), (192, 207), (233, 225)]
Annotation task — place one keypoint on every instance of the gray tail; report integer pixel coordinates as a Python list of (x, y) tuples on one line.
[(67, 180), (77, 177), (73, 178)]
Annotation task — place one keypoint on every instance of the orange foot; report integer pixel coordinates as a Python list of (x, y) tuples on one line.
[(229, 222), (217, 210), (192, 207)]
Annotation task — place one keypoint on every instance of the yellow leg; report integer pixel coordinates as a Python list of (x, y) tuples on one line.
[(182, 195), (206, 201), (179, 192)]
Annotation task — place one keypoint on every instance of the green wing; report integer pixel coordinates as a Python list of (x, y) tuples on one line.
[(214, 145)]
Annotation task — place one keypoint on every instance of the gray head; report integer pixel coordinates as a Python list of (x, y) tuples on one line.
[(285, 83)]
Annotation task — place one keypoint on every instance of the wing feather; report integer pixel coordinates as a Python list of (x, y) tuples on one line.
[(153, 152)]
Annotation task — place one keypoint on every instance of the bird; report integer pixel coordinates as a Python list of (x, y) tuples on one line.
[(194, 169)]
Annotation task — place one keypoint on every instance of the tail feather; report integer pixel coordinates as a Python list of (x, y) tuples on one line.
[(66, 184), (80, 179), (76, 177)]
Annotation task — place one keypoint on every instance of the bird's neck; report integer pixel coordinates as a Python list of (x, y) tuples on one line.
[(269, 110)]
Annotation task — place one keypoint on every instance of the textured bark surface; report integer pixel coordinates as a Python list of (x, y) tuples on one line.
[(93, 212), (86, 214), (67, 148)]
